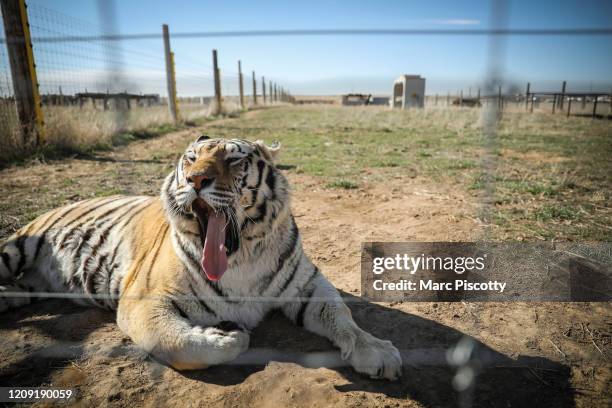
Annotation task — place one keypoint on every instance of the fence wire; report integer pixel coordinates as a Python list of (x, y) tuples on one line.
[(97, 89), (94, 84)]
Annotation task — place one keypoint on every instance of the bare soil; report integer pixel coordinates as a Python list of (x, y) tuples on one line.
[(544, 354)]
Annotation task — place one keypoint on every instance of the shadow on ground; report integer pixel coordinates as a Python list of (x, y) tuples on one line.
[(488, 378)]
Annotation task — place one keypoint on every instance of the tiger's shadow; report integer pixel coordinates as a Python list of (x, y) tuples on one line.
[(430, 375)]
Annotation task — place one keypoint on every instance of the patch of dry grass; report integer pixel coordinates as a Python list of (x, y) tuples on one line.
[(70, 129)]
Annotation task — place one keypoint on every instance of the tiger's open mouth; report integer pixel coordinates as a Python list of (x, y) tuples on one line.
[(212, 236), (218, 238)]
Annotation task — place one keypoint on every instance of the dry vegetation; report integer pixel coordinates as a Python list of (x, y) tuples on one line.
[(74, 130), (357, 174)]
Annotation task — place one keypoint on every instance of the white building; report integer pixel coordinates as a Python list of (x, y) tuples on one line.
[(408, 92)]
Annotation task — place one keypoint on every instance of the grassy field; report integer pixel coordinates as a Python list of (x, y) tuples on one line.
[(552, 175), (550, 178)]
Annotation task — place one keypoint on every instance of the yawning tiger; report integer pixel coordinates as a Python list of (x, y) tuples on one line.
[(192, 271)]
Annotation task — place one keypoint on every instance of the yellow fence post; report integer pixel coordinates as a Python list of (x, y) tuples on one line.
[(23, 71)]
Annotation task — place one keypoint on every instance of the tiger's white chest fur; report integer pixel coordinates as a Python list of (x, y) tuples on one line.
[(267, 268)]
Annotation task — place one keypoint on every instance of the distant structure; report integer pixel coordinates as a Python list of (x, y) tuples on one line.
[(408, 92), (363, 99), (353, 99)]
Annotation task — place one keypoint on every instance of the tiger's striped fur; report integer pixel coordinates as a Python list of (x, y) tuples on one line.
[(141, 256)]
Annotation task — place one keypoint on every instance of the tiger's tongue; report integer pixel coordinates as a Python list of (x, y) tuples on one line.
[(214, 257)]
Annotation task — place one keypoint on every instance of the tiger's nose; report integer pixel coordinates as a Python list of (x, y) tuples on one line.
[(200, 181)]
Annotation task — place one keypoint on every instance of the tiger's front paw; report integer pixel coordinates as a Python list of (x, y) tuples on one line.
[(376, 358), (225, 344), (206, 346)]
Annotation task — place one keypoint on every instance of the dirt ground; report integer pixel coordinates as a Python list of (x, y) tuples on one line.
[(527, 354)]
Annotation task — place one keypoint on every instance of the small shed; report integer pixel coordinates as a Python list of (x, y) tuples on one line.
[(355, 99), (408, 92)]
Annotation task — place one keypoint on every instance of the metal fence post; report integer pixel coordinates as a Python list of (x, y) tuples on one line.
[(263, 89), (254, 89), (240, 85), (562, 95), (23, 71), (217, 76), (527, 96)]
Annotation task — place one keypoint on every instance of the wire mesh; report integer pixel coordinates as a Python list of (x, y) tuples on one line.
[(93, 90), (94, 84)]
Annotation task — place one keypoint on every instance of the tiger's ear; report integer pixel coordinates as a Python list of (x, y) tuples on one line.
[(271, 152), (202, 138)]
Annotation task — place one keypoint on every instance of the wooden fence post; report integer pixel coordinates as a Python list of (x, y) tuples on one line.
[(595, 106), (569, 107), (217, 76), (270, 91), (562, 95), (171, 85), (254, 89), (23, 71), (263, 89), (500, 104), (527, 96), (554, 103), (240, 85), (174, 95), (478, 96)]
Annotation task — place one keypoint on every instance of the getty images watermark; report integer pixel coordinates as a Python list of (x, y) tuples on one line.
[(455, 271)]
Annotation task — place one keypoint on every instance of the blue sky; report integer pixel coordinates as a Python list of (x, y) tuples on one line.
[(332, 65)]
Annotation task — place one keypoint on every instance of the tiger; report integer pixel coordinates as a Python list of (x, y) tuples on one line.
[(192, 272)]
